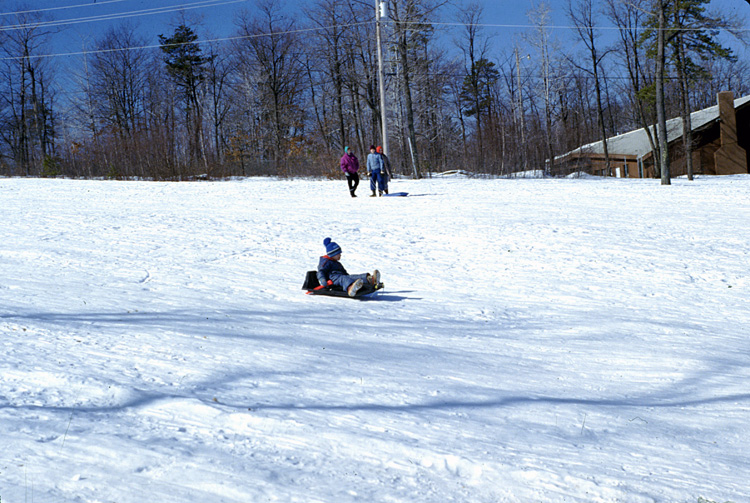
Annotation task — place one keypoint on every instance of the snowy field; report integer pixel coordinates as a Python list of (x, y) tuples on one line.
[(537, 341)]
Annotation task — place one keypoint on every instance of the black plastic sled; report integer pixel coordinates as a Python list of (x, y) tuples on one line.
[(313, 288)]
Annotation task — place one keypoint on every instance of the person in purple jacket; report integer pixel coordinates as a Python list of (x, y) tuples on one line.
[(350, 166), (332, 272)]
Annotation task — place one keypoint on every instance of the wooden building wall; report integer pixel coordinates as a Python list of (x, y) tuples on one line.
[(706, 144)]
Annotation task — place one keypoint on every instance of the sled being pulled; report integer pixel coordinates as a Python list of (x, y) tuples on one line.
[(313, 287)]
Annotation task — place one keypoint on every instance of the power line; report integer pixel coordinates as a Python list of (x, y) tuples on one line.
[(563, 27), (157, 46), (214, 3), (123, 15), (60, 8), (211, 3)]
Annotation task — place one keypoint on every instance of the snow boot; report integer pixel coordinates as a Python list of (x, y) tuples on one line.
[(374, 277), (354, 288), (373, 194)]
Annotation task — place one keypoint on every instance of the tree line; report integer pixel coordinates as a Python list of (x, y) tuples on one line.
[(285, 92)]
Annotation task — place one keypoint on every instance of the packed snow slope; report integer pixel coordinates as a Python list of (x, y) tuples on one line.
[(537, 341)]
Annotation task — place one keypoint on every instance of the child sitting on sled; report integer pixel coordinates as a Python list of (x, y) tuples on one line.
[(332, 272)]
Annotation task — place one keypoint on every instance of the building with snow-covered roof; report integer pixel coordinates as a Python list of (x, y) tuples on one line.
[(721, 139)]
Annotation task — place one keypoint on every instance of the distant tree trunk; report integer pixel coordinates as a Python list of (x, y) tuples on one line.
[(409, 104), (687, 127), (456, 91), (356, 117), (405, 18), (319, 114), (628, 18), (660, 102), (548, 112), (521, 116), (471, 19), (338, 83)]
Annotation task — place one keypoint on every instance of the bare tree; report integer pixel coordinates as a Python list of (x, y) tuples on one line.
[(430, 82), (218, 79), (360, 76), (540, 17), (270, 58), (581, 13), (628, 17), (113, 90), (26, 112), (474, 90), (516, 79), (330, 16), (408, 17), (724, 75), (118, 77)]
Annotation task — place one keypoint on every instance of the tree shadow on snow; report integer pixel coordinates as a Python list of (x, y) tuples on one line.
[(505, 402)]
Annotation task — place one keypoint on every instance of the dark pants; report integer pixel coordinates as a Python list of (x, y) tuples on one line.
[(353, 180), (376, 177)]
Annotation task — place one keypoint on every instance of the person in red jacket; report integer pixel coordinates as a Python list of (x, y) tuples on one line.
[(350, 166), (386, 168)]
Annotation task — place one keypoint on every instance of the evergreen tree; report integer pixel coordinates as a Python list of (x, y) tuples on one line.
[(691, 35), (476, 94), (186, 66)]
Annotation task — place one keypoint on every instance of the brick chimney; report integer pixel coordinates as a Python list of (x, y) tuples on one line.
[(731, 159)]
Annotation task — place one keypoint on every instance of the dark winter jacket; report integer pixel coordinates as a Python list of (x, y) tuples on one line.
[(329, 269), (386, 165), (349, 163)]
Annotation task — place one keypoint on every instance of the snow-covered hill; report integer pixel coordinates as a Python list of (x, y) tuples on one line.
[(537, 341)]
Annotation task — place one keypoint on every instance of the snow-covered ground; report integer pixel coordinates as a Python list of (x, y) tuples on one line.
[(537, 341)]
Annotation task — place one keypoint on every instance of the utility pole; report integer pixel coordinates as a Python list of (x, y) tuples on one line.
[(380, 12)]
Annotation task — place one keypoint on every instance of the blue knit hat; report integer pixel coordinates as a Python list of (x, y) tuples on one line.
[(332, 249)]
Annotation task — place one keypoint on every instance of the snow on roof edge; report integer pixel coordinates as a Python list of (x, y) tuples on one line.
[(636, 142)]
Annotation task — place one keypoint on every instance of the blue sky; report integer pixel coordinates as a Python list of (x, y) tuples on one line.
[(85, 20)]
